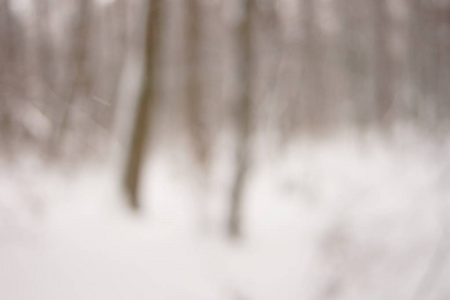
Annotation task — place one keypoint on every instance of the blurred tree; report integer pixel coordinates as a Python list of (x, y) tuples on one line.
[(44, 43), (195, 107), (443, 63), (146, 101), (353, 44), (383, 63), (8, 47), (8, 37), (117, 27), (77, 82), (12, 39), (313, 84), (415, 59), (243, 116), (194, 83)]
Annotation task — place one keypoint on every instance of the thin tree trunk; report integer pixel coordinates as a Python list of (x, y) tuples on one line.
[(120, 14), (197, 129), (77, 81), (194, 87), (146, 100), (414, 27), (383, 64), (243, 119), (8, 38), (313, 76), (44, 44), (8, 70)]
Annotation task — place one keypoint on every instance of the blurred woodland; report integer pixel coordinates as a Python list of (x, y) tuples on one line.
[(77, 76)]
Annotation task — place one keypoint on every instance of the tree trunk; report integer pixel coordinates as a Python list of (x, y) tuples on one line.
[(44, 45), (194, 87), (146, 101), (383, 64), (243, 119), (120, 32), (77, 82), (312, 70)]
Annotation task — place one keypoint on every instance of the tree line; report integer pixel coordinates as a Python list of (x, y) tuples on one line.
[(291, 68)]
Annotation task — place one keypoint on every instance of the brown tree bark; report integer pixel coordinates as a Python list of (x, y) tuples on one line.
[(78, 81), (312, 115), (142, 119), (44, 44), (119, 27), (194, 84), (243, 118), (382, 64)]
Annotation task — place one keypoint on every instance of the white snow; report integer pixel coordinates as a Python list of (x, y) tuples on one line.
[(333, 219)]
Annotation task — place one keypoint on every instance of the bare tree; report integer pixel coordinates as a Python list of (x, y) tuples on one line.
[(119, 31), (78, 80), (195, 108), (11, 69), (312, 75), (194, 83), (8, 38), (6, 60), (145, 105), (383, 62), (44, 43), (243, 117)]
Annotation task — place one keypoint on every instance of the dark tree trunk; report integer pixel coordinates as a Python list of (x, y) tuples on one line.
[(135, 159), (193, 85), (383, 64), (243, 119)]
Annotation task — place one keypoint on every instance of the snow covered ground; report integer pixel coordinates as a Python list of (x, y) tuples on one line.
[(335, 219)]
